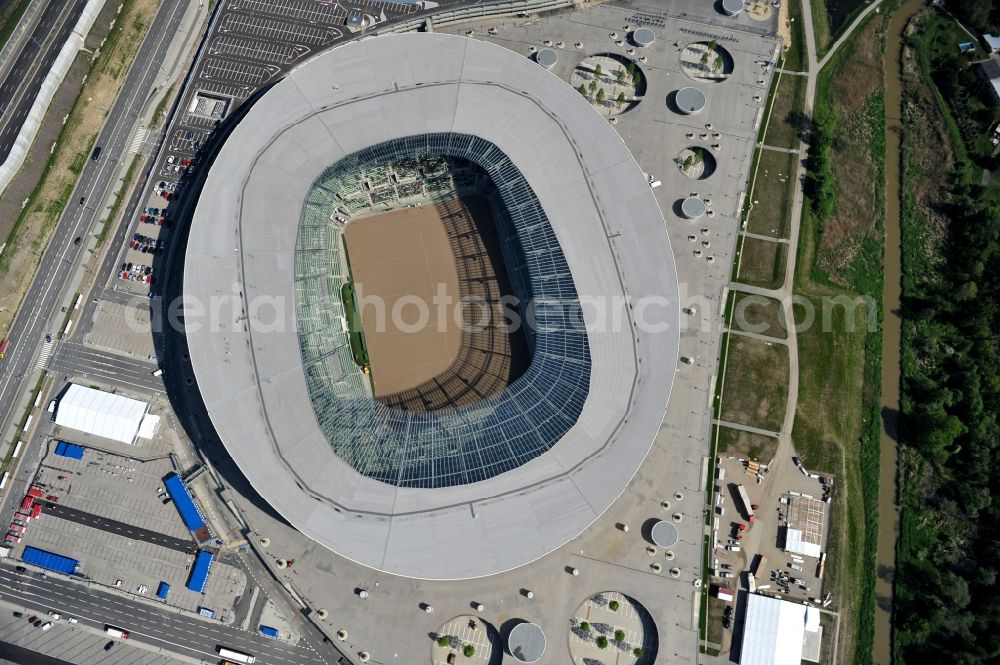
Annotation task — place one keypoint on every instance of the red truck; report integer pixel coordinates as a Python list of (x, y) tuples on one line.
[(3, 348)]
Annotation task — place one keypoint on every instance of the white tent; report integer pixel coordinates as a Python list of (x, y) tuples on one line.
[(774, 631), (795, 541), (100, 413)]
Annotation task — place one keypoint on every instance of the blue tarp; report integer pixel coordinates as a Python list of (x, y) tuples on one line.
[(185, 504), (267, 631), (199, 571), (162, 591), (66, 449), (50, 561)]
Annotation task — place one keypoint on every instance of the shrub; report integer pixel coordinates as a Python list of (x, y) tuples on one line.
[(469, 651), (584, 626), (638, 652), (614, 605), (619, 635), (444, 641), (602, 642)]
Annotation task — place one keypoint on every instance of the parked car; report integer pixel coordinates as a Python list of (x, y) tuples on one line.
[(46, 625), (109, 646)]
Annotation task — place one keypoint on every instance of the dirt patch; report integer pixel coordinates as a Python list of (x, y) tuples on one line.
[(756, 383), (747, 444), (439, 340), (29, 235)]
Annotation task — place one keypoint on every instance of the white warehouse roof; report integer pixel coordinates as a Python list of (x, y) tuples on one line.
[(100, 413), (775, 630)]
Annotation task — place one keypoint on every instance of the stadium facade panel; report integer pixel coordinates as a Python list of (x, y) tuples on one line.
[(598, 210)]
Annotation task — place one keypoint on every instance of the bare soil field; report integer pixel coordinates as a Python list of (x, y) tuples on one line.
[(413, 269)]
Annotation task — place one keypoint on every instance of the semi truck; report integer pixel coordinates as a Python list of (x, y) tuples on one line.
[(747, 507)]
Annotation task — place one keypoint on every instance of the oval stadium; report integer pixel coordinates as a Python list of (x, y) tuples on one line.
[(443, 308)]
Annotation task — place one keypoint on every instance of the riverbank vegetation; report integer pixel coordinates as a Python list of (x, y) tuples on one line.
[(837, 422), (946, 578)]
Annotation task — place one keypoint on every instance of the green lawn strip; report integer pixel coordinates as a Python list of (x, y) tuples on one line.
[(757, 314), (119, 197), (795, 55), (821, 27), (773, 192), (784, 129), (747, 444), (357, 335), (762, 263), (756, 383)]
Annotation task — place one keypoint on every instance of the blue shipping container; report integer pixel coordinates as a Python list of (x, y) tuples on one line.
[(66, 449), (162, 591), (50, 560), (267, 631), (185, 504), (199, 571)]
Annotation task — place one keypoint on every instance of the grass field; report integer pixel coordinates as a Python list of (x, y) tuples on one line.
[(784, 129), (795, 54), (773, 190), (355, 331), (762, 263), (756, 381), (757, 314)]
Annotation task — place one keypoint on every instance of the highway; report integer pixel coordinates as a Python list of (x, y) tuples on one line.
[(31, 65), (172, 631), (62, 256), (120, 528)]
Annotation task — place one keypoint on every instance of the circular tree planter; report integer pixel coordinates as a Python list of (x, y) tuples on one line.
[(586, 646), (612, 83), (707, 62)]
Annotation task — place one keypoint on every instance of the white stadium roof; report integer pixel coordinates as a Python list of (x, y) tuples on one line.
[(602, 211), (775, 631), (100, 413)]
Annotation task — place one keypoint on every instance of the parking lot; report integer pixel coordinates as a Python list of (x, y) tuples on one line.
[(110, 512)]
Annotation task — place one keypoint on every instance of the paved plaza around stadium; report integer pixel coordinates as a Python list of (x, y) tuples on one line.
[(669, 483)]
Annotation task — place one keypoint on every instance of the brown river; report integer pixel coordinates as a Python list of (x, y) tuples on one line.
[(888, 515)]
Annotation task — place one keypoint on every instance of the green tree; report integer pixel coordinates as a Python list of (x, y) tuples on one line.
[(600, 96), (620, 99), (584, 626), (593, 87), (444, 641), (469, 651), (619, 635), (638, 652), (697, 156), (582, 90), (602, 642), (688, 163), (614, 605), (620, 79), (704, 59), (598, 71)]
